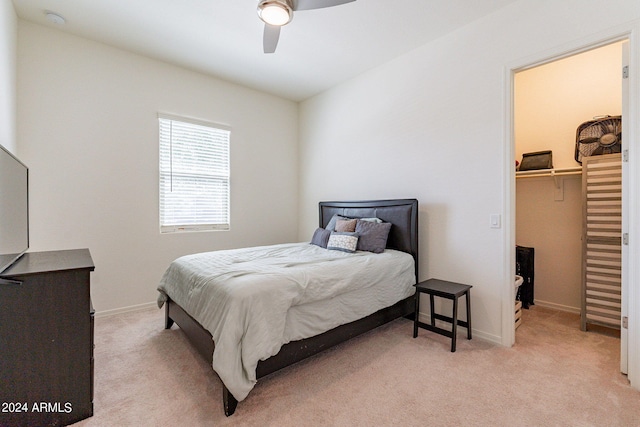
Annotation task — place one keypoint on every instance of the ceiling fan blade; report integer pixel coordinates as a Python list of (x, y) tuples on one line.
[(317, 4), (270, 38)]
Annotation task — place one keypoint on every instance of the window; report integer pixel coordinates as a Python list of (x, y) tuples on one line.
[(194, 175)]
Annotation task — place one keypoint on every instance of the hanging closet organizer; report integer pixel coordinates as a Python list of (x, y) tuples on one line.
[(601, 241)]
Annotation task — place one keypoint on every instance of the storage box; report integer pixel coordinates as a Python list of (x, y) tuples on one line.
[(518, 313), (536, 161)]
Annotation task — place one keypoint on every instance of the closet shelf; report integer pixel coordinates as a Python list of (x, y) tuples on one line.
[(554, 173)]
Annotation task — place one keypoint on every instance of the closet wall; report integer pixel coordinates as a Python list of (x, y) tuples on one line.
[(551, 101)]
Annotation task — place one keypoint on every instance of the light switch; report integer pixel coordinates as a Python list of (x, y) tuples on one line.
[(495, 221)]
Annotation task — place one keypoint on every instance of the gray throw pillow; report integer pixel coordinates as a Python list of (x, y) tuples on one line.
[(372, 236), (320, 237)]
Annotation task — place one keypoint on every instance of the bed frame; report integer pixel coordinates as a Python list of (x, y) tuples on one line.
[(403, 236)]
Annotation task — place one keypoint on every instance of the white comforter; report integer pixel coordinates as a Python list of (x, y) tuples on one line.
[(243, 296)]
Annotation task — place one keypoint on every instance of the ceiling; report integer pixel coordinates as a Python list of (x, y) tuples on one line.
[(317, 50)]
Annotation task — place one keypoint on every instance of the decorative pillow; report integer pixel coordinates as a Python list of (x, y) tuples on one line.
[(373, 236), (345, 242), (346, 225), (331, 226), (320, 237), (378, 220)]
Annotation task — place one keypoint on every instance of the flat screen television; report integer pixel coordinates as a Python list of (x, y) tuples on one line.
[(14, 209)]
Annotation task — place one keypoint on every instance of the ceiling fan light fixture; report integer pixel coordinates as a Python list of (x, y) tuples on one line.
[(275, 12)]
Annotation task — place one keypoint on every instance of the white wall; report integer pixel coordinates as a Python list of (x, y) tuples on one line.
[(551, 101), (88, 130), (431, 125), (8, 58)]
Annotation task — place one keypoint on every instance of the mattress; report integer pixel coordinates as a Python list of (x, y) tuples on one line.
[(254, 300)]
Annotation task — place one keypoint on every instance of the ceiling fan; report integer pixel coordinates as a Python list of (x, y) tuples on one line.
[(277, 13)]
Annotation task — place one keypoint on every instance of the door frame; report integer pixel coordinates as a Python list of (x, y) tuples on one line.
[(631, 271)]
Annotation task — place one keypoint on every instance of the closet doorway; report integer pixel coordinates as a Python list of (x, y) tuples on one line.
[(550, 101)]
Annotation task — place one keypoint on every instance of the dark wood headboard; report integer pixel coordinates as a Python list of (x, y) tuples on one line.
[(402, 213)]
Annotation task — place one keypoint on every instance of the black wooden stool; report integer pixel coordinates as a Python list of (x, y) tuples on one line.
[(448, 290)]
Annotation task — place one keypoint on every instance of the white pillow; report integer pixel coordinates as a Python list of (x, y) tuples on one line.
[(376, 220), (345, 242)]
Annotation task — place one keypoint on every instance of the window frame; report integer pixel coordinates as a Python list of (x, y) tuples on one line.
[(201, 226)]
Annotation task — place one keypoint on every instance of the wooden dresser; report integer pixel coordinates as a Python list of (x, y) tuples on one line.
[(46, 339)]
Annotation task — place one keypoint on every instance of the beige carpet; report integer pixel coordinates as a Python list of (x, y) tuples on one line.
[(555, 375)]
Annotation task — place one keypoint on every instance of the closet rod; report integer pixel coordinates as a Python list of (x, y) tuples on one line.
[(554, 173)]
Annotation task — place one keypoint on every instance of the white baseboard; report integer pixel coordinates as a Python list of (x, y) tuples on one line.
[(560, 307), (129, 309)]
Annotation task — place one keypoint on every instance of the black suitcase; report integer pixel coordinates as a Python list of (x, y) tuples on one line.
[(525, 267)]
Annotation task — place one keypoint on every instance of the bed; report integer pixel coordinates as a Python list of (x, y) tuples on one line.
[(302, 305)]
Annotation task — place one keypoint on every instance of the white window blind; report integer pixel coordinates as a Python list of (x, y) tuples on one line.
[(194, 176)]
